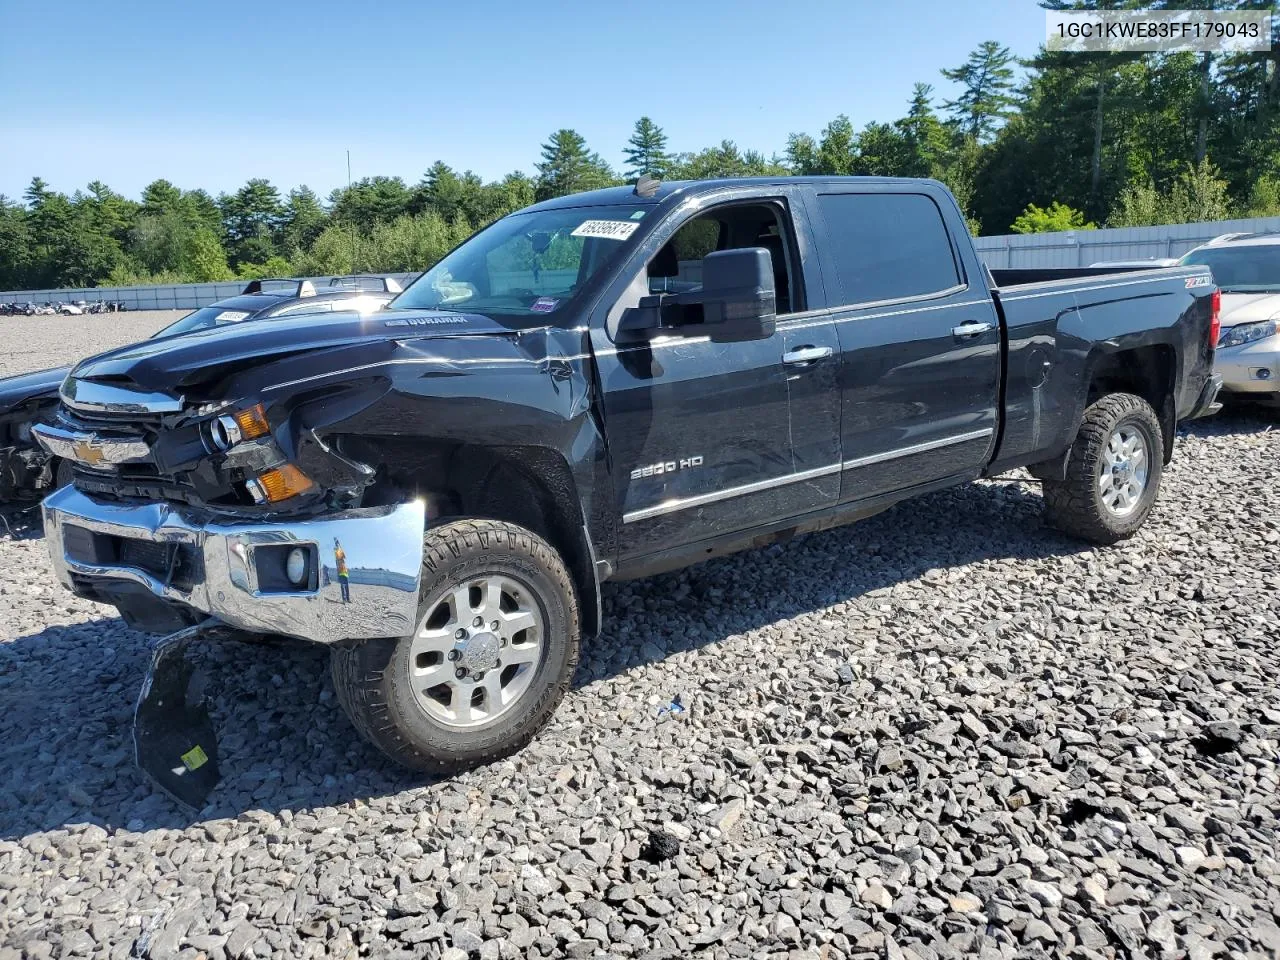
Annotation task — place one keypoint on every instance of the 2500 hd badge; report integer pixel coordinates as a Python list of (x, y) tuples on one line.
[(669, 466)]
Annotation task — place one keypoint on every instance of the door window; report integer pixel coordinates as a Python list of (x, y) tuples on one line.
[(888, 246), (677, 266)]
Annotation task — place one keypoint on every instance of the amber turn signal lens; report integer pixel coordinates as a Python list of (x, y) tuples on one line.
[(279, 484), (253, 422)]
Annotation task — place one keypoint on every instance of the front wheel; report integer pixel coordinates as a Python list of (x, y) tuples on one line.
[(493, 653), (1113, 472)]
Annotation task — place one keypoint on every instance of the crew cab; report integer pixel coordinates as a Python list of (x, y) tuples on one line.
[(602, 386), (27, 471)]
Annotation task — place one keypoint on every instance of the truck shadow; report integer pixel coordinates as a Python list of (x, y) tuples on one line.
[(66, 749), (1235, 418)]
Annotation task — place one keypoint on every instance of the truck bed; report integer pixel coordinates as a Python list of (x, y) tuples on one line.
[(1063, 325)]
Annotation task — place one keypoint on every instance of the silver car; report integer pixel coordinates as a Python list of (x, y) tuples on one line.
[(1246, 268)]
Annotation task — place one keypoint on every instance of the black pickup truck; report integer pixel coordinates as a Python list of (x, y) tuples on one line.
[(602, 386)]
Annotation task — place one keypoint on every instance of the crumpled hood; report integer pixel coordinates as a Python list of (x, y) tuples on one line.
[(207, 355), (27, 386), (1238, 308)]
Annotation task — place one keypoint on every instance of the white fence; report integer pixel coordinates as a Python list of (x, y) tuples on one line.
[(1073, 248), (1080, 248), (178, 296)]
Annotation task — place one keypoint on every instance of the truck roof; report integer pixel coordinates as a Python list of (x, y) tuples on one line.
[(610, 196)]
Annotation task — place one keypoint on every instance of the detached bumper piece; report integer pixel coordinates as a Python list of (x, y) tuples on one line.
[(173, 738), (347, 575)]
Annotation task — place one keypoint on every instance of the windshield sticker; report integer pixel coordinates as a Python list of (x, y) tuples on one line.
[(606, 229), (231, 316), (544, 304)]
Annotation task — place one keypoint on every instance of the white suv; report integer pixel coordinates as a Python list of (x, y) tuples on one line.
[(1246, 267)]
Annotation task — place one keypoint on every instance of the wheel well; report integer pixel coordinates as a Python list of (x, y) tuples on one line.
[(1147, 372), (526, 485)]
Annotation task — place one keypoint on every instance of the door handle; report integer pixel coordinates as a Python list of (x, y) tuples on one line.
[(972, 328), (806, 354)]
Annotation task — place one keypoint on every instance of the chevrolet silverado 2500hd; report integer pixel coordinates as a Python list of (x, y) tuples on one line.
[(602, 386)]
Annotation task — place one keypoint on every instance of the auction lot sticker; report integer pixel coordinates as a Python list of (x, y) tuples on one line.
[(606, 229)]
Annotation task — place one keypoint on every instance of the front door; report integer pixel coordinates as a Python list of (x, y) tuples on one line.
[(703, 435)]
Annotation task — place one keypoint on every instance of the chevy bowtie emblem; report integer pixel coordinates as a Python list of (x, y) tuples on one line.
[(86, 451)]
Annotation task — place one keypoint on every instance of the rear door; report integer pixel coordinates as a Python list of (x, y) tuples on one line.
[(919, 337)]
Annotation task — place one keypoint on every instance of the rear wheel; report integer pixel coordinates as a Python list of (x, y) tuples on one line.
[(1113, 472), (493, 653)]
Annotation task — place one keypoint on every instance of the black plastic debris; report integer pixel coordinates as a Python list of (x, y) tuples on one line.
[(173, 737), (659, 847), (1079, 810), (1219, 737)]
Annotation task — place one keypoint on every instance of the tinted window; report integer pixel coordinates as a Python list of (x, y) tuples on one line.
[(1242, 268), (886, 246)]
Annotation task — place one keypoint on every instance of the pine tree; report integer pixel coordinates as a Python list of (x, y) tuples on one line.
[(303, 219), (987, 78), (569, 167), (646, 151), (926, 139)]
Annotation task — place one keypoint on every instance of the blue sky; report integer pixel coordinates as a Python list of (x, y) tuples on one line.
[(130, 91)]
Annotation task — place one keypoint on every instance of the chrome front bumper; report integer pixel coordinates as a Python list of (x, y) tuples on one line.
[(226, 577)]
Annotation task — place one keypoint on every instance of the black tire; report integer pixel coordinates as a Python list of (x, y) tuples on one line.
[(372, 677), (1075, 505), (63, 474)]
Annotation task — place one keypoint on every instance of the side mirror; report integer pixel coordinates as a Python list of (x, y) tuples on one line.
[(738, 298), (737, 302)]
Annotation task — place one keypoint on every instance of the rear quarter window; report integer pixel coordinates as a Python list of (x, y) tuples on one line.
[(887, 246)]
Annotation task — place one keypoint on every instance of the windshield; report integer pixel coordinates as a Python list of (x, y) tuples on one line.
[(525, 266), (204, 318), (1253, 268)]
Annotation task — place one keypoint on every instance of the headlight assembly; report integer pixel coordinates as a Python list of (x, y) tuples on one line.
[(1247, 333), (230, 428)]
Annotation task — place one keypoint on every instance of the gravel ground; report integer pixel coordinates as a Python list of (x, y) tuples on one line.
[(943, 731), (33, 343)]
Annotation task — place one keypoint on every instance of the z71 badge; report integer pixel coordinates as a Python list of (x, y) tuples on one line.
[(1193, 282), (668, 466)]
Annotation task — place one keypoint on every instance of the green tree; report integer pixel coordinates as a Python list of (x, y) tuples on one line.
[(567, 166), (1055, 217), (1264, 198), (837, 148), (370, 201), (1200, 195), (15, 246), (646, 151), (802, 154), (881, 151), (1139, 205), (925, 141), (302, 220), (987, 95), (251, 219), (159, 197)]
